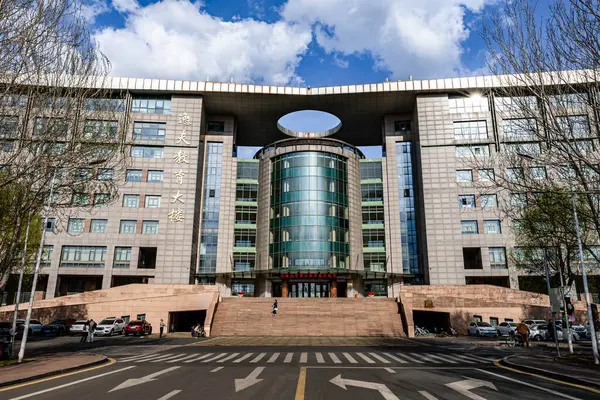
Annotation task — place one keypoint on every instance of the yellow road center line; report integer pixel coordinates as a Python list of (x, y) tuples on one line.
[(301, 384)]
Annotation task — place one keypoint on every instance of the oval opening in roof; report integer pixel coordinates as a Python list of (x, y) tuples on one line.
[(309, 124)]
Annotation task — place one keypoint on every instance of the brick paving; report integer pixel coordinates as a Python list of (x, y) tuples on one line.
[(46, 366)]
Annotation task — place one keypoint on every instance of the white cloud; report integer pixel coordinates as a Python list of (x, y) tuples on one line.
[(409, 37), (177, 39), (90, 9)]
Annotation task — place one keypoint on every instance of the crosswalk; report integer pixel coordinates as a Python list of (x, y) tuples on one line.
[(371, 358)]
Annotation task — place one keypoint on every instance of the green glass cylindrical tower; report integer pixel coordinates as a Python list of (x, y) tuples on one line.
[(309, 224)]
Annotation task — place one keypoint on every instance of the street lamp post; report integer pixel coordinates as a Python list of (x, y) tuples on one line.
[(23, 259), (585, 286)]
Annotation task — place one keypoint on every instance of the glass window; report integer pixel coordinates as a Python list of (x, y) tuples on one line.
[(468, 104), (151, 105), (9, 127), (215, 126), (51, 127), (50, 224), (133, 175), (83, 256), (401, 126), (247, 170), (105, 174), (472, 151), (466, 201), (530, 149), (539, 173), (98, 225), (97, 129), (101, 199), (518, 199), (76, 225), (150, 227), (370, 170), (147, 152), (152, 201), (497, 257), (123, 254), (131, 200), (155, 176), (516, 103), (565, 173), (514, 174), (149, 130), (489, 201), (110, 105), (47, 252), (80, 199), (470, 130), (468, 227), (128, 226), (569, 100), (464, 175), (574, 125), (491, 226), (83, 174), (485, 175), (520, 128)]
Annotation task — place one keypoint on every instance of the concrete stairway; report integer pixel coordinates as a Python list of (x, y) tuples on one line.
[(248, 316)]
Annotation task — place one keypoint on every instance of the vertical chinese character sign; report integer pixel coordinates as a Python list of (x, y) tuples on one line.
[(176, 213)]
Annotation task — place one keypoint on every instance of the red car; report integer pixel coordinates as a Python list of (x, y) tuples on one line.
[(138, 328)]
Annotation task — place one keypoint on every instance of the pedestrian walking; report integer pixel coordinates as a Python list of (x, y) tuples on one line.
[(84, 335), (92, 329), (162, 328), (275, 308), (524, 332)]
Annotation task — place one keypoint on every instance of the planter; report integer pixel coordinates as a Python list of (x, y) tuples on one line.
[(241, 294), (371, 294)]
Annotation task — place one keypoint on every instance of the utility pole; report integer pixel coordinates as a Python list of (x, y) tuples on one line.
[(564, 301), (37, 271), (546, 268), (23, 259), (585, 286)]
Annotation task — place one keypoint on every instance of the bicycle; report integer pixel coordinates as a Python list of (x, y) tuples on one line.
[(513, 339), (421, 331)]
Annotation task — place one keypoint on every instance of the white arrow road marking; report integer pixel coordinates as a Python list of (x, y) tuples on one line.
[(145, 379), (380, 387), (464, 386), (26, 396), (169, 395), (335, 358), (245, 356), (252, 379), (427, 395), (566, 396)]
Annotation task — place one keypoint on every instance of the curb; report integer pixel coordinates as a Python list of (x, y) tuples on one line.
[(53, 373), (550, 374)]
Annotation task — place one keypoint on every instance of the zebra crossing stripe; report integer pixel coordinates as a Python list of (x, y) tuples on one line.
[(167, 358), (160, 357), (303, 358), (441, 357), (335, 358), (234, 355), (425, 357), (471, 357), (146, 357), (288, 358), (367, 359), (401, 361), (350, 358), (456, 358), (245, 356), (378, 357), (409, 358), (273, 358), (214, 358), (181, 358), (258, 358), (320, 358), (199, 357)]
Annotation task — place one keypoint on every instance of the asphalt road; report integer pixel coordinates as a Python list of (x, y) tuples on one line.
[(410, 371)]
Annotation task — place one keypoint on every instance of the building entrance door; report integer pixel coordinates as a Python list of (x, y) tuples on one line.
[(309, 289)]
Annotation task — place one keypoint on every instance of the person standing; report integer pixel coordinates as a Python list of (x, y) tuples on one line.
[(92, 329), (275, 308), (162, 328), (523, 331)]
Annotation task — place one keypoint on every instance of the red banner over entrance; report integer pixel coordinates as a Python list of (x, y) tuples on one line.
[(307, 275)]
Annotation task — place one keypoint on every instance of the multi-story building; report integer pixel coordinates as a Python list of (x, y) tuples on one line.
[(308, 215)]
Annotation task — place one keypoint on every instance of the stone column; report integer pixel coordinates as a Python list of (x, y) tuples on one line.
[(333, 288), (284, 288)]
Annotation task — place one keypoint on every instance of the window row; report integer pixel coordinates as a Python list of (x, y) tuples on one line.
[(491, 226), (370, 170), (133, 201), (470, 130), (486, 201), (95, 256), (466, 175), (78, 225), (137, 175)]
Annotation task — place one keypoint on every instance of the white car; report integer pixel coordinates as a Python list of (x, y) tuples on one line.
[(110, 326), (482, 329), (35, 326), (79, 327), (530, 322), (506, 328)]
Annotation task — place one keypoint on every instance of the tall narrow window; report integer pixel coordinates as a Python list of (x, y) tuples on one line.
[(408, 220)]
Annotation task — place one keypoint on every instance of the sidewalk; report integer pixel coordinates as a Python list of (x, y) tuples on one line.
[(47, 366), (580, 372)]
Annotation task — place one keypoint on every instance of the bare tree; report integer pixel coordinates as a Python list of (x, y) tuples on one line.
[(58, 124)]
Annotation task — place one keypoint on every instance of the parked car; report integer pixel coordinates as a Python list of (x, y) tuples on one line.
[(581, 330), (539, 332), (138, 328), (58, 327), (530, 322), (35, 326), (79, 327), (482, 329), (505, 328), (111, 326), (561, 336)]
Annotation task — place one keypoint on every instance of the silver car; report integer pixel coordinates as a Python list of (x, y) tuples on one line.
[(110, 326), (539, 332), (506, 328), (79, 327)]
